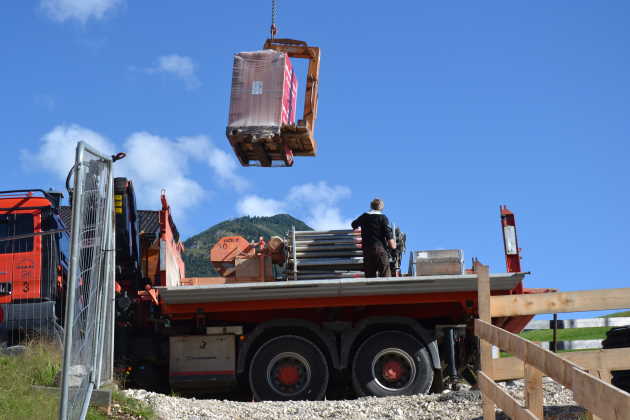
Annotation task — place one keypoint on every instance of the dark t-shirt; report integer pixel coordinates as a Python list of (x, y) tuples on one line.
[(375, 230)]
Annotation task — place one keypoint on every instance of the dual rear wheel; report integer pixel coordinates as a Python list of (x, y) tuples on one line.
[(391, 363), (288, 367), (387, 363)]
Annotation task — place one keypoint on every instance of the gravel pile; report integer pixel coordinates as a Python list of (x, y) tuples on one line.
[(454, 405)]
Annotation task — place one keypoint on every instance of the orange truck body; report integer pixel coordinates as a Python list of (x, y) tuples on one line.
[(33, 265)]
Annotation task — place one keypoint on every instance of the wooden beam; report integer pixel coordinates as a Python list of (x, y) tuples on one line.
[(508, 368), (549, 303), (603, 399), (485, 348), (534, 397), (504, 400), (605, 360)]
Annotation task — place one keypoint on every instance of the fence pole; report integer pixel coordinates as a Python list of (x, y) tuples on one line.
[(485, 348), (72, 282), (104, 296)]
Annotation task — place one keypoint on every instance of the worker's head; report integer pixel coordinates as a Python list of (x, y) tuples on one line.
[(377, 204)]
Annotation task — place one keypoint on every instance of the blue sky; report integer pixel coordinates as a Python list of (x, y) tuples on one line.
[(443, 109)]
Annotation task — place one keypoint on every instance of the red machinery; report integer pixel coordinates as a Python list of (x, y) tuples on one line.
[(240, 261)]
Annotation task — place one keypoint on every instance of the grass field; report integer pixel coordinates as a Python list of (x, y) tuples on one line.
[(569, 334), (39, 365)]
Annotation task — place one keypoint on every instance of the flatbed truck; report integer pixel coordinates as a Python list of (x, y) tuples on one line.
[(306, 339)]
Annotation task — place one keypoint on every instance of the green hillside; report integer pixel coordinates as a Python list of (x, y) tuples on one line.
[(198, 246)]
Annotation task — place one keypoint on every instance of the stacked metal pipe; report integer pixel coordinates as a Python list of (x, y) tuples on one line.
[(330, 254)]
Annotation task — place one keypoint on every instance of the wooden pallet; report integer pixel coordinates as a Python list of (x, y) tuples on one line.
[(291, 141)]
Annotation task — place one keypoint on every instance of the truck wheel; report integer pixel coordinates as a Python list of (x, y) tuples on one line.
[(288, 368), (391, 363)]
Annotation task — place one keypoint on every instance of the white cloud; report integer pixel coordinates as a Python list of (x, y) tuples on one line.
[(57, 151), (253, 205), (223, 164), (153, 162), (81, 10), (319, 193), (316, 203), (179, 66)]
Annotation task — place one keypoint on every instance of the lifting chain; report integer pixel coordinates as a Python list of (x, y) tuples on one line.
[(274, 10)]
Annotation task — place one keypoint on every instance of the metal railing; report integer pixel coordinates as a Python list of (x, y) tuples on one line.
[(88, 341)]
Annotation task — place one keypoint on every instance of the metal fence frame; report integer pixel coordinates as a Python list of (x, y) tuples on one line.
[(96, 307), (37, 318)]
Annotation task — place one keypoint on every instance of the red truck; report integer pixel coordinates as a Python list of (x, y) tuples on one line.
[(305, 339), (33, 264)]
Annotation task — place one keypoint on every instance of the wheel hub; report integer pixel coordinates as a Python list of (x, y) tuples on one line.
[(393, 369), (288, 373)]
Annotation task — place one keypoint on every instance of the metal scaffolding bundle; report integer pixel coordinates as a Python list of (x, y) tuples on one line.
[(331, 254)]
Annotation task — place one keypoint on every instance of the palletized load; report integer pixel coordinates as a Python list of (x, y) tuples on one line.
[(264, 93), (263, 125)]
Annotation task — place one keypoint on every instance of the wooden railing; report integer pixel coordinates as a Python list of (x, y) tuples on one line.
[(587, 373)]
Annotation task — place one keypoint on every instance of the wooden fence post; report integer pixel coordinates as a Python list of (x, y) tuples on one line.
[(534, 396), (485, 348)]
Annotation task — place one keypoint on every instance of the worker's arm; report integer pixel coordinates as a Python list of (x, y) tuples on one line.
[(356, 223), (389, 235)]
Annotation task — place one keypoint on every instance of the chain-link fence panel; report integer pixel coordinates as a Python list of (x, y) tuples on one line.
[(89, 294), (32, 261)]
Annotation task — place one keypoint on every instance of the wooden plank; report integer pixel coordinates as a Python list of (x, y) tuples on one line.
[(488, 407), (605, 360), (483, 290), (505, 401), (549, 303), (603, 399), (534, 398), (507, 368), (485, 348)]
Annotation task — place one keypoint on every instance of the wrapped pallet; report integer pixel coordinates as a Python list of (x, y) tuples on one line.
[(264, 93)]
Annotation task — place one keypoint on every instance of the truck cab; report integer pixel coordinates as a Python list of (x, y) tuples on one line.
[(34, 247)]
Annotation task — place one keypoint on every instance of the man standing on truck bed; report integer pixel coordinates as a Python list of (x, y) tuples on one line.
[(376, 235)]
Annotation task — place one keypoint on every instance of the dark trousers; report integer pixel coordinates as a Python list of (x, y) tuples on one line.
[(376, 262)]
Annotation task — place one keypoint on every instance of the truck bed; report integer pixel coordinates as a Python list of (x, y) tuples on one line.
[(335, 288)]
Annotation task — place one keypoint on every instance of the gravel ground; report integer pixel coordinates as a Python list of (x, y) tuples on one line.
[(453, 405)]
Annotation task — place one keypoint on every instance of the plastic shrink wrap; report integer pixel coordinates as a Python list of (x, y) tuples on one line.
[(264, 93)]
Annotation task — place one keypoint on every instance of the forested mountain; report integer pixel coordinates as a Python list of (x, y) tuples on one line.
[(197, 247)]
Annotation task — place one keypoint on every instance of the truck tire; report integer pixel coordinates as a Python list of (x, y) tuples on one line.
[(391, 363), (288, 367)]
